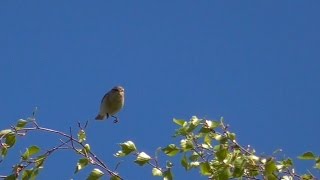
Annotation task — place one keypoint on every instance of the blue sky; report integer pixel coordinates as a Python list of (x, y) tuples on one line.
[(256, 63)]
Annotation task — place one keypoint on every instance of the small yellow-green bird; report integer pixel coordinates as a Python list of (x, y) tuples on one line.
[(111, 103)]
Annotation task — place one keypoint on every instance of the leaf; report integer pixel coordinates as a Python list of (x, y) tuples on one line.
[(156, 172), (126, 148), (33, 150), (253, 157), (11, 177), (194, 156), (287, 163), (307, 156), (222, 153), (207, 139), (270, 167), (30, 151), (40, 160), (82, 163), (142, 158), (307, 177), (21, 123), (231, 136), (194, 122), (186, 145), (317, 165), (115, 178), (10, 140), (95, 174), (225, 173), (4, 132), (87, 147), (167, 175), (239, 167), (171, 150), (82, 135), (26, 174), (179, 122), (30, 174), (205, 169), (4, 151), (194, 164), (184, 163), (209, 126), (182, 131)]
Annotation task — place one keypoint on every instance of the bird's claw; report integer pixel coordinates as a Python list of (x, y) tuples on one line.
[(115, 119)]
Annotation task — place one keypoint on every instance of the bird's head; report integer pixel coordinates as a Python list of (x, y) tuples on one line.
[(118, 89)]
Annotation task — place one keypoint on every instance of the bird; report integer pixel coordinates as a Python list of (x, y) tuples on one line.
[(111, 103)]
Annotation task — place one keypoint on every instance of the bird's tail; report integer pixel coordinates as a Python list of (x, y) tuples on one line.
[(100, 117)]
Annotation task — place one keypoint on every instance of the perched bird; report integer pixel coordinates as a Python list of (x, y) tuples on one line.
[(111, 103)]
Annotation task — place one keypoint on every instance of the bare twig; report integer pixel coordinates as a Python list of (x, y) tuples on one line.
[(72, 141)]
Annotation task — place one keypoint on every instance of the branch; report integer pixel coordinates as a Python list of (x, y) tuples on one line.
[(94, 159)]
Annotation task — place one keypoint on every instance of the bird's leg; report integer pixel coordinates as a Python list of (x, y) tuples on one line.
[(116, 120)]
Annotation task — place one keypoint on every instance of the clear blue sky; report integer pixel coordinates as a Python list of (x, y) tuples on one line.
[(254, 62)]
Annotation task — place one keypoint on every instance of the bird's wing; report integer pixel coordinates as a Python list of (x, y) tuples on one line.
[(104, 97)]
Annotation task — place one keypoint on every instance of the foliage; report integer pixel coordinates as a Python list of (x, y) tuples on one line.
[(206, 145)]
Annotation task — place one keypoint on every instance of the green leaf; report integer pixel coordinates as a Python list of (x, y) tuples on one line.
[(126, 148), (307, 156), (220, 138), (222, 153), (307, 177), (87, 147), (212, 124), (207, 139), (317, 165), (95, 174), (179, 122), (115, 178), (82, 163), (182, 131), (26, 174), (40, 160), (82, 135), (287, 163), (30, 174), (194, 122), (186, 145), (167, 175), (21, 123), (231, 136), (239, 167), (171, 150), (225, 173), (11, 177), (4, 151), (30, 151), (184, 163), (209, 126), (5, 132), (205, 169), (194, 164), (194, 156), (142, 158), (253, 157), (270, 167), (33, 150), (271, 177), (10, 140), (156, 172)]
